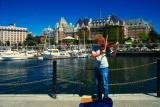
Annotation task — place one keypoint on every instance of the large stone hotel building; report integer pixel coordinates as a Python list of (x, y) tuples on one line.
[(125, 28), (12, 34), (133, 27)]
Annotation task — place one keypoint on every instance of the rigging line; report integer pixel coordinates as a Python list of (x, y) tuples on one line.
[(134, 82), (127, 68), (133, 67), (9, 82), (37, 66), (72, 82), (19, 77), (129, 83), (26, 83), (6, 74), (80, 66)]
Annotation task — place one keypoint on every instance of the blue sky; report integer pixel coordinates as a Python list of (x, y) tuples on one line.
[(37, 14)]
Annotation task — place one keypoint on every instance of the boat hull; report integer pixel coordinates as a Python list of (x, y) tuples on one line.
[(3, 58)]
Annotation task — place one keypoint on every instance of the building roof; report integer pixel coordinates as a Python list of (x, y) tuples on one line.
[(136, 22), (83, 22), (13, 27), (63, 21), (108, 20)]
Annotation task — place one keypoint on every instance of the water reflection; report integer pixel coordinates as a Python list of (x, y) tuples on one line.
[(76, 70)]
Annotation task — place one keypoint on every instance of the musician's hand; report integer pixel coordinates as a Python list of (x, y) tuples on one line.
[(103, 51), (117, 44), (93, 55)]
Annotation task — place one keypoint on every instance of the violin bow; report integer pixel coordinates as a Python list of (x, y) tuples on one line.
[(106, 42)]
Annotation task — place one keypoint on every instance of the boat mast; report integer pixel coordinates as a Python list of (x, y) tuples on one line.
[(84, 41), (49, 36), (45, 42)]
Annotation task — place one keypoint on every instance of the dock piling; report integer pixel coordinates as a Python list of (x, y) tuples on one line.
[(158, 78), (54, 79)]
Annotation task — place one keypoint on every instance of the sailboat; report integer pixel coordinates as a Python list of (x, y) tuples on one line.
[(82, 52), (52, 53)]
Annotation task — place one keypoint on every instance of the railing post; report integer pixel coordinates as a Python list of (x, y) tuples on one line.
[(54, 79), (158, 77)]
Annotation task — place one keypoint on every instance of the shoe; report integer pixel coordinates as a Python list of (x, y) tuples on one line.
[(95, 98), (108, 100)]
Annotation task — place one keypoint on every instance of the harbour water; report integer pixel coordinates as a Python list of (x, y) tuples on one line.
[(76, 76)]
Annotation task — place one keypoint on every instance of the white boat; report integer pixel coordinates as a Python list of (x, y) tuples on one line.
[(55, 54), (7, 55), (12, 57), (82, 55), (79, 53), (64, 54)]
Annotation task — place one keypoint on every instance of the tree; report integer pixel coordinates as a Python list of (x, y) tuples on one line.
[(83, 35), (128, 40), (30, 40), (115, 33), (143, 36), (1, 43), (52, 41), (8, 43), (153, 36), (19, 44)]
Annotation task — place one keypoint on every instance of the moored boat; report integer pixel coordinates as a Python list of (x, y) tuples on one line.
[(7, 55), (55, 54)]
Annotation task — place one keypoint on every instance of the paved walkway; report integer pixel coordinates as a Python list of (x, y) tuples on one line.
[(64, 100)]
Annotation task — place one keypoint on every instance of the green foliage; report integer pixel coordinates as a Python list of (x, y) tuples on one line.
[(134, 45), (140, 45), (69, 40), (115, 33), (30, 40), (127, 40), (8, 43), (143, 36), (37, 40), (153, 36), (83, 35)]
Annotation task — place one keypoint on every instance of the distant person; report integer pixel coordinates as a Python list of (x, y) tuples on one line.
[(99, 52)]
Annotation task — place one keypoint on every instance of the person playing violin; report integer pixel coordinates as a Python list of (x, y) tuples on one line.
[(101, 64)]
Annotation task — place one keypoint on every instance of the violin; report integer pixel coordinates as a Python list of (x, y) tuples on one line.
[(108, 45)]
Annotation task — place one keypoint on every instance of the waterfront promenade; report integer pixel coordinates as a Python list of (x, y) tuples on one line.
[(66, 100)]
